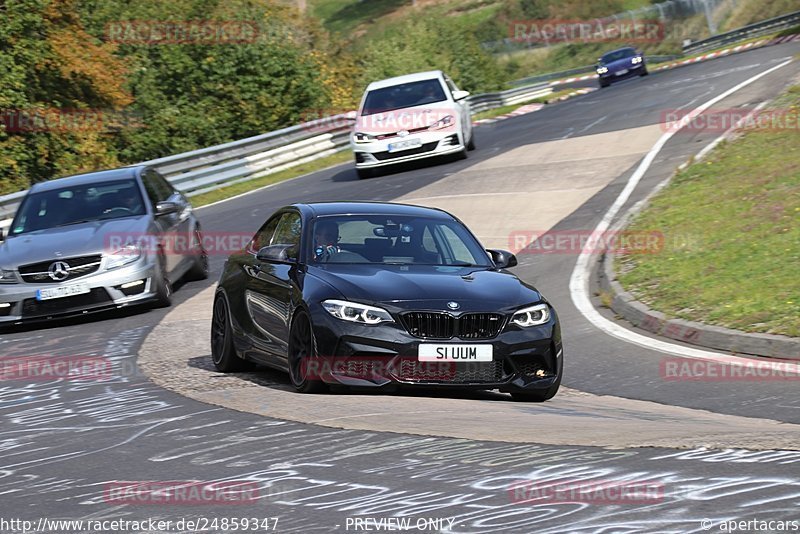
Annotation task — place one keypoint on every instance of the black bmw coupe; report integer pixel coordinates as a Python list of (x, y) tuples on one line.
[(382, 295)]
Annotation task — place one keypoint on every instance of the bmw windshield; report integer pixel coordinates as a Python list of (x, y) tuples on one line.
[(78, 204), (393, 240)]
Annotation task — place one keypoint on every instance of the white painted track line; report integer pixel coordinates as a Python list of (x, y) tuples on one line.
[(579, 281)]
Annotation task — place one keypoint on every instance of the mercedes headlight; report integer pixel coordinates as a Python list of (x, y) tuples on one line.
[(7, 277), (356, 313), (123, 256), (531, 316), (602, 70)]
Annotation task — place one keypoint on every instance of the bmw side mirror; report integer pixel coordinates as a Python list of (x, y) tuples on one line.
[(277, 254), (167, 208), (460, 95), (502, 258)]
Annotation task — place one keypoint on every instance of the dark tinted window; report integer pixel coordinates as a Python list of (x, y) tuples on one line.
[(617, 55), (393, 239), (158, 189), (263, 237), (73, 205), (403, 96)]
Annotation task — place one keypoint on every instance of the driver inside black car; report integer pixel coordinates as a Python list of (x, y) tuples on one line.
[(326, 239)]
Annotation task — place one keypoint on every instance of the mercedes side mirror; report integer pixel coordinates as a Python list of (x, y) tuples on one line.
[(167, 208)]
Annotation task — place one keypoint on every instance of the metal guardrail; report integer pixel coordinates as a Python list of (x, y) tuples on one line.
[(207, 169), (752, 30)]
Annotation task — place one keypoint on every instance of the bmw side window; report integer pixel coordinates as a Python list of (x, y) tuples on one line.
[(263, 237), (288, 231)]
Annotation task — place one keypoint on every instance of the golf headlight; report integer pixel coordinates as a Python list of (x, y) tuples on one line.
[(444, 122), (123, 256), (532, 315), (356, 313), (602, 70), (637, 59), (7, 277), (360, 137)]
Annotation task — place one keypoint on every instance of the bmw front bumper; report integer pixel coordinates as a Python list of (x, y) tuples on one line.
[(386, 356)]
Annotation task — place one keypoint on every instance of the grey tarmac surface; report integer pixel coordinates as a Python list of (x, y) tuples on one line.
[(63, 442)]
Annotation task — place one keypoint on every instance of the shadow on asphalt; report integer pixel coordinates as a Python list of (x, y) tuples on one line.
[(278, 380)]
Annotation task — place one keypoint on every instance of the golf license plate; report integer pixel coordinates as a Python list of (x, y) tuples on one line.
[(61, 292), (429, 352), (405, 145), (621, 72)]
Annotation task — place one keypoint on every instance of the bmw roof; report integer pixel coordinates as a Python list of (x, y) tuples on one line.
[(371, 208)]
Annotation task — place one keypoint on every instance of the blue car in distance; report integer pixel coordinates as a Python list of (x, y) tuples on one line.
[(620, 64)]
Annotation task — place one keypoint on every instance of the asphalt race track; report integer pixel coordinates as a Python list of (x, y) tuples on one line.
[(65, 443)]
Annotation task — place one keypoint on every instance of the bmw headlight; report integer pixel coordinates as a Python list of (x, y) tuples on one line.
[(637, 59), (602, 70), (356, 313), (7, 277), (531, 316), (360, 137), (123, 256), (444, 122)]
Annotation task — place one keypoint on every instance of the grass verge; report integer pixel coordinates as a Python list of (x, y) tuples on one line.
[(732, 235), (251, 185)]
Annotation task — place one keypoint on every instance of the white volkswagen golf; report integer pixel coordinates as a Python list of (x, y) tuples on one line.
[(411, 117)]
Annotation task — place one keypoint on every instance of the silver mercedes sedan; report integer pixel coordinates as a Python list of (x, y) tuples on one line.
[(97, 241)]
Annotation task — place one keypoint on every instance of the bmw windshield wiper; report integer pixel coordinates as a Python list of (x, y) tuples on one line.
[(459, 264)]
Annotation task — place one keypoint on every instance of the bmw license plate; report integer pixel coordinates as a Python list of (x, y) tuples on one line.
[(455, 353), (404, 145), (621, 72), (61, 292)]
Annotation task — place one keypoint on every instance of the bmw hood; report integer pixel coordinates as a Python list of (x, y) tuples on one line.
[(69, 241), (424, 287)]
